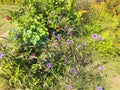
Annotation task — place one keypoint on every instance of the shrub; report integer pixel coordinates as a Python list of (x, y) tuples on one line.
[(38, 19)]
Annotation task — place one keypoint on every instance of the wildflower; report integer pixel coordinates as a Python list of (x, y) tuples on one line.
[(1, 55), (99, 88), (8, 18), (68, 41), (100, 38), (84, 43), (70, 33), (69, 87), (53, 14), (65, 60), (57, 44), (48, 65), (53, 32), (58, 28), (101, 68), (15, 30), (48, 20), (73, 70), (58, 36), (16, 36), (94, 36)]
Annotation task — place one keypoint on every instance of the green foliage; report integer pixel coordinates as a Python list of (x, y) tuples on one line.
[(113, 6), (39, 59), (99, 20), (37, 20), (25, 70), (78, 55)]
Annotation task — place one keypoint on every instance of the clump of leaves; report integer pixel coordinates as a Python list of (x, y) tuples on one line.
[(37, 20)]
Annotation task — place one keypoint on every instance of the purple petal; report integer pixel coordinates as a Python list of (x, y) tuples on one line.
[(69, 87), (15, 30), (100, 38), (49, 20), (99, 88), (48, 65), (53, 32), (84, 43), (58, 36), (101, 68), (68, 42), (1, 55), (73, 70), (94, 36)]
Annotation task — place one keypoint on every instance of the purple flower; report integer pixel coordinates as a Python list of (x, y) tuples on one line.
[(15, 30), (99, 88), (101, 68), (48, 20), (53, 32), (57, 44), (65, 60), (70, 33), (84, 43), (1, 55), (48, 65), (94, 36), (100, 38), (68, 41), (69, 87), (73, 70), (53, 13), (58, 36)]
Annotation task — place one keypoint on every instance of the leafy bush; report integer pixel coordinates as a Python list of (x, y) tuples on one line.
[(38, 19)]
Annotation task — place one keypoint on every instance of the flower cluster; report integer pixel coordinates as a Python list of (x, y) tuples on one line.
[(95, 36)]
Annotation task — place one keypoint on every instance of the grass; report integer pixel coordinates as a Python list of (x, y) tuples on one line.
[(112, 69)]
